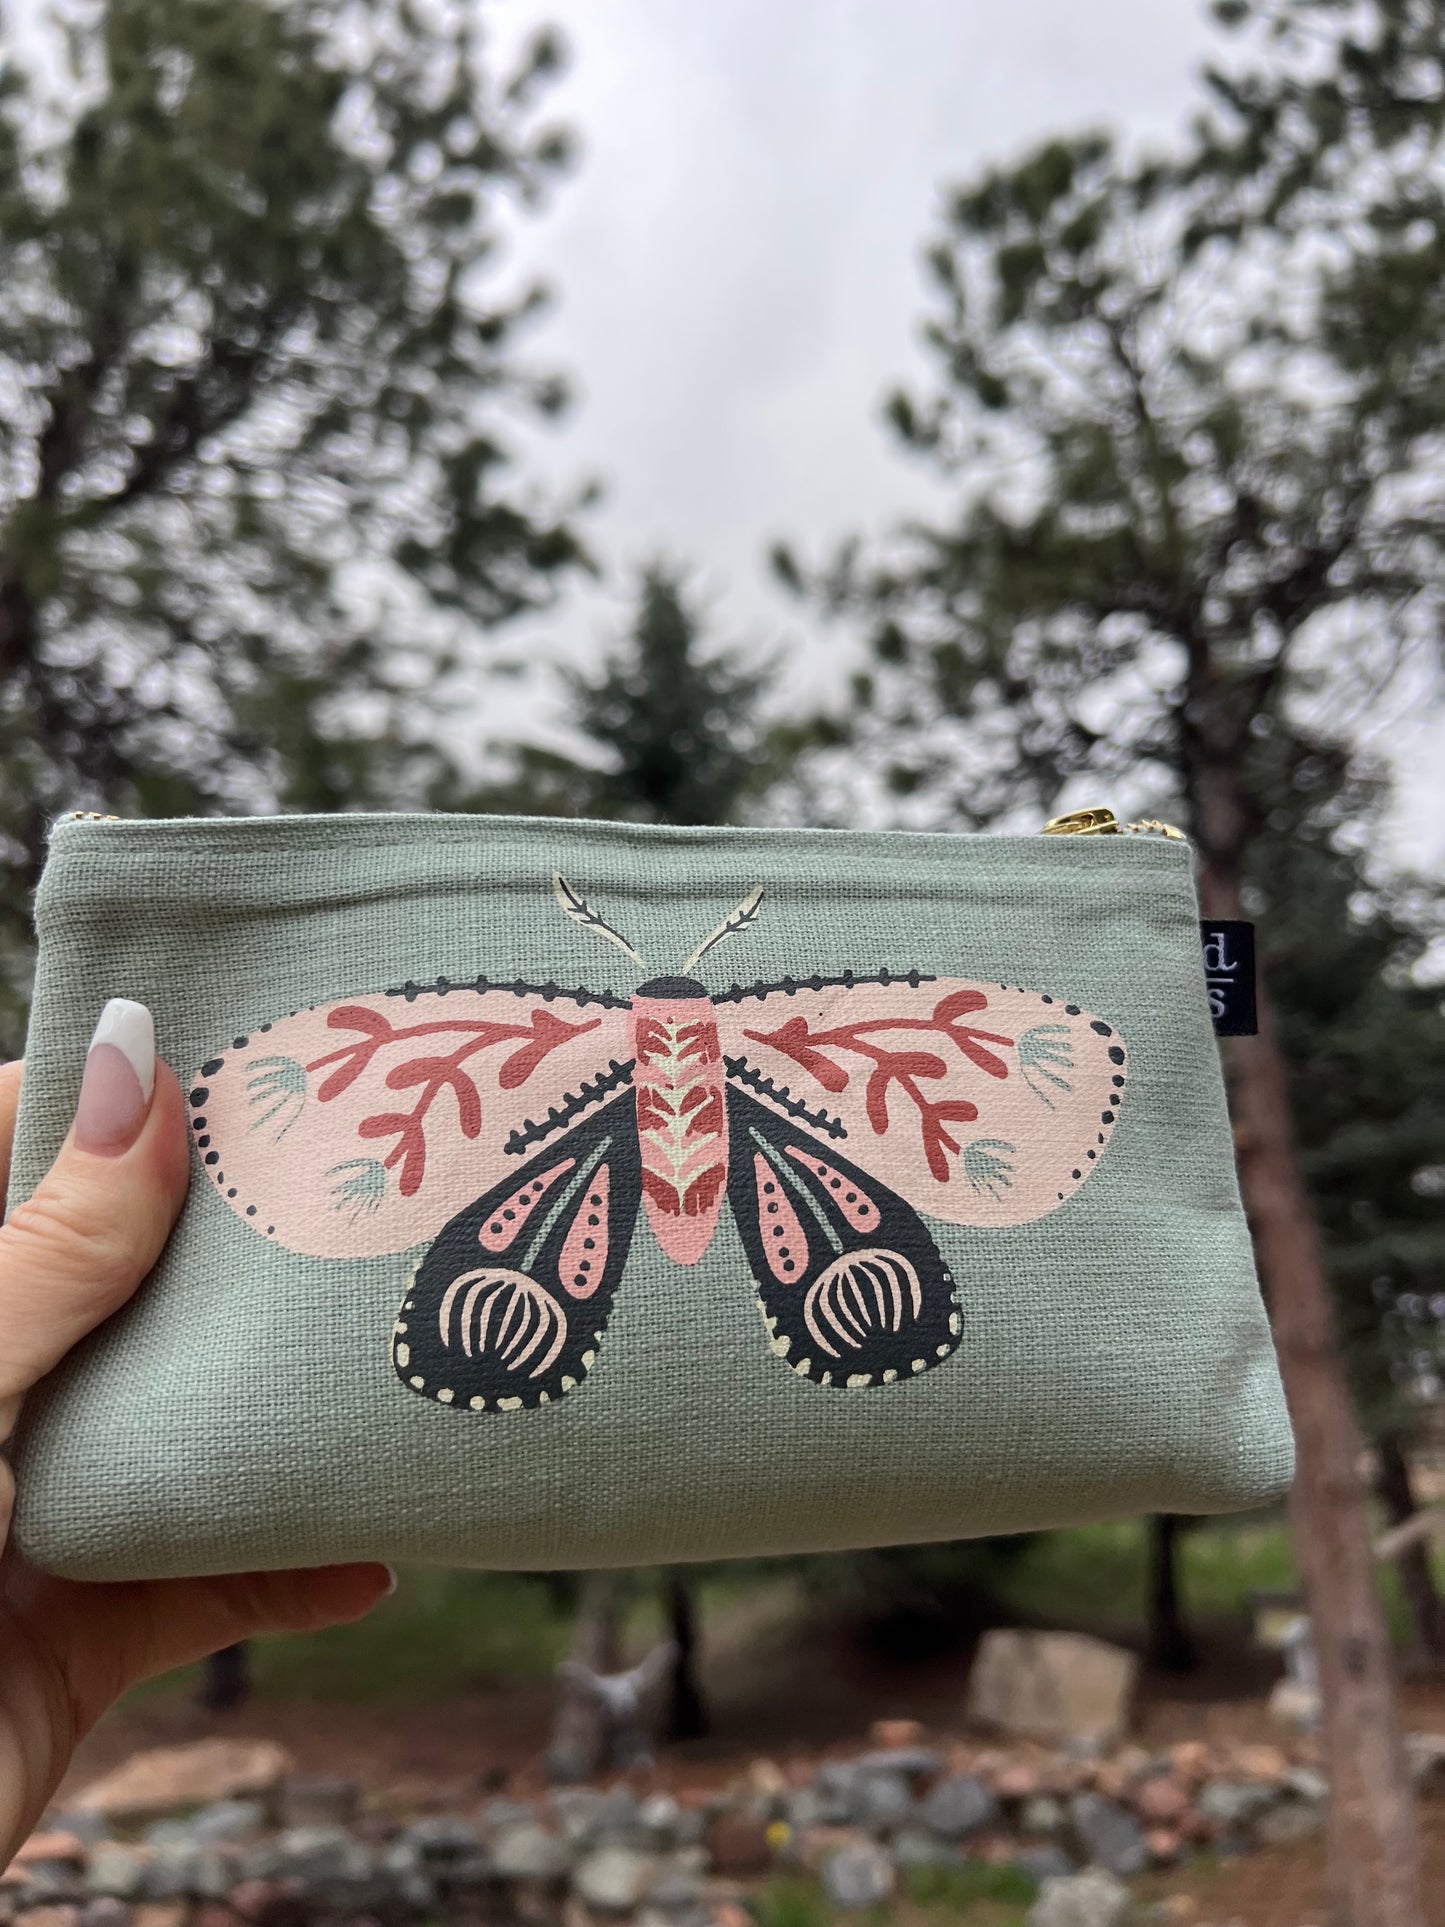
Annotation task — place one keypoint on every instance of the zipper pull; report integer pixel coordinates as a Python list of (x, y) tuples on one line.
[(1084, 823), (1101, 822)]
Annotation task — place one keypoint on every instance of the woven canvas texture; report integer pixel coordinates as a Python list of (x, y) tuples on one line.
[(250, 1407)]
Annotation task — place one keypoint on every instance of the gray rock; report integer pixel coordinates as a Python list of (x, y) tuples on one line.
[(1307, 1783), (614, 1878), (576, 1810), (658, 1816), (958, 1806), (914, 1761), (116, 1871), (406, 1877), (1109, 1834), (914, 1847), (620, 1808), (469, 1870), (105, 1911), (689, 1827), (168, 1834), (227, 1820), (318, 1801), (323, 1856), (1041, 1815), (1044, 1863), (1091, 1899), (680, 1885), (81, 1823), (174, 1872), (804, 1809), (440, 1836), (1290, 1821), (881, 1800), (833, 1789), (1228, 1802), (497, 1814), (526, 1851), (858, 1877), (51, 1882)]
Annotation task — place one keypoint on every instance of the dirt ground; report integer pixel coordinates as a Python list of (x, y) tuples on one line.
[(785, 1698)]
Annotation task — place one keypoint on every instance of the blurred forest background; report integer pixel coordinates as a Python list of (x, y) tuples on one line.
[(267, 521)]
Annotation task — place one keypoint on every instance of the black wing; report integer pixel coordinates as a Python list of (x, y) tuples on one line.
[(508, 1307), (853, 1289)]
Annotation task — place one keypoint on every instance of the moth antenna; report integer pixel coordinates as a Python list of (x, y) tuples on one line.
[(580, 911), (734, 922)]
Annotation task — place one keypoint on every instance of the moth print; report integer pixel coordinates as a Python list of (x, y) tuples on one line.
[(519, 1131)]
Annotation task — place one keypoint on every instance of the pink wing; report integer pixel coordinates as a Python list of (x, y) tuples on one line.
[(978, 1104), (361, 1127)]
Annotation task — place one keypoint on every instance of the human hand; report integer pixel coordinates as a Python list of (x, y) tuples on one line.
[(70, 1255)]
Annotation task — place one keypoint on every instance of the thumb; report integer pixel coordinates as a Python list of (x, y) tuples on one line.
[(77, 1248), (170, 1622)]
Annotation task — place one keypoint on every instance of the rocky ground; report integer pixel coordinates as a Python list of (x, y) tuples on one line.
[(227, 1833)]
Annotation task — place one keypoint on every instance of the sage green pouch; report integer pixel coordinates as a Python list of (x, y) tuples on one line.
[(573, 1194)]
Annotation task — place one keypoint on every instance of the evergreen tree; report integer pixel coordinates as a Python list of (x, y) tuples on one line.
[(668, 730), (1191, 409), (254, 373)]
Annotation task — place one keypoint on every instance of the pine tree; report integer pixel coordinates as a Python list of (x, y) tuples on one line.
[(255, 498), (1190, 406), (668, 730)]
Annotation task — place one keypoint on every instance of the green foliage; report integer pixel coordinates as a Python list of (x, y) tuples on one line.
[(254, 489), (670, 731), (953, 1890), (790, 1901)]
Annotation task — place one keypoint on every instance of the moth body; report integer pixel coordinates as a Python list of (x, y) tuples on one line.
[(682, 1120)]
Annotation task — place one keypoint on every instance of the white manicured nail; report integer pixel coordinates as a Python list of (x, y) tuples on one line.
[(120, 1076)]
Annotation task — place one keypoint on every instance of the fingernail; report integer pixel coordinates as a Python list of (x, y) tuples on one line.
[(120, 1074), (390, 1582)]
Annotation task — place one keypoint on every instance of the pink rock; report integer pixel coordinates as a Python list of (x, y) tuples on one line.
[(888, 1734), (1161, 1799), (1018, 1781), (1163, 1844)]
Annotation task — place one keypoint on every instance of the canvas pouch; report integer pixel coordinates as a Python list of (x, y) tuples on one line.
[(571, 1194)]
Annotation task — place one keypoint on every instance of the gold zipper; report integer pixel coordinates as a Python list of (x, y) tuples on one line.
[(1100, 822)]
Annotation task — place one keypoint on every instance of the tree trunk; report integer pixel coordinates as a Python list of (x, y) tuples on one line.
[(579, 1735), (1170, 1646), (1374, 1851), (687, 1714), (1417, 1582), (1372, 1837)]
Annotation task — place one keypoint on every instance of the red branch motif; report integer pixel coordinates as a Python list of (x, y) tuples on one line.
[(809, 1049), (537, 1038)]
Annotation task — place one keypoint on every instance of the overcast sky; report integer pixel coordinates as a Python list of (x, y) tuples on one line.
[(736, 257), (736, 265)]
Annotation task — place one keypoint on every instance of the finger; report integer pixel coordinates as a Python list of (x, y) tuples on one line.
[(9, 1105), (107, 1636), (76, 1249)]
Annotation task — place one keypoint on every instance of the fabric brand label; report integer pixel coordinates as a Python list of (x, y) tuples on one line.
[(1229, 974)]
